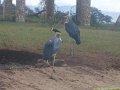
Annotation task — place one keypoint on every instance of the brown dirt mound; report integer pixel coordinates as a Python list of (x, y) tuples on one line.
[(95, 61), (84, 72)]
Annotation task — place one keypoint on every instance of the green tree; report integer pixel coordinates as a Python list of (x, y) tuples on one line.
[(97, 17), (28, 11)]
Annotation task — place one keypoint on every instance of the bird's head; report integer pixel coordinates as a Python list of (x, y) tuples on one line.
[(55, 30), (66, 19), (58, 35)]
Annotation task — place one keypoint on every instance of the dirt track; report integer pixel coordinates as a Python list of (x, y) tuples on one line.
[(84, 72)]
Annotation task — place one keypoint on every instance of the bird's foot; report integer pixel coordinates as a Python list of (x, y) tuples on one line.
[(54, 70), (40, 63)]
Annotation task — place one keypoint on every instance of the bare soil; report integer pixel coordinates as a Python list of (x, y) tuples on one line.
[(19, 70)]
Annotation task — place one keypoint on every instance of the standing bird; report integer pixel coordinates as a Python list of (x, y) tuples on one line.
[(73, 31), (51, 48)]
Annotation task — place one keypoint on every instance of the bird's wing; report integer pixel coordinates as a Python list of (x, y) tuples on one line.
[(73, 31), (71, 28), (57, 44), (76, 29), (77, 33), (48, 49), (68, 29)]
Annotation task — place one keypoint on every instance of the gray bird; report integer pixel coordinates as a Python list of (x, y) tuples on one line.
[(72, 29), (51, 48)]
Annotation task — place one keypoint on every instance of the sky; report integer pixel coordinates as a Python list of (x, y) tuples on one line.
[(105, 5)]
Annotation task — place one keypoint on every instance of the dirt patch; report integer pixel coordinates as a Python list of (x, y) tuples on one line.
[(96, 61), (84, 72)]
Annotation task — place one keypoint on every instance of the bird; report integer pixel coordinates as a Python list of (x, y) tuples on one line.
[(55, 30), (51, 48), (72, 29)]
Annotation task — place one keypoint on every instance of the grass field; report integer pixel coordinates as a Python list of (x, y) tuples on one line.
[(32, 36)]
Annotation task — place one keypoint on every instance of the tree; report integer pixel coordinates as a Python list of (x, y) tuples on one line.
[(28, 11), (83, 12), (108, 19), (97, 17), (118, 21), (20, 10), (59, 16)]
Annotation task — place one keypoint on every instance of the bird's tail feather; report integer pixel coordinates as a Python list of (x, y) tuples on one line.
[(78, 42)]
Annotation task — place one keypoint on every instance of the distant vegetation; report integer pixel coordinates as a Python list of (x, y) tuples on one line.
[(98, 19)]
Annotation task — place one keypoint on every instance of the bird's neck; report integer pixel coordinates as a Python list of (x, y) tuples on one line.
[(58, 37), (66, 21)]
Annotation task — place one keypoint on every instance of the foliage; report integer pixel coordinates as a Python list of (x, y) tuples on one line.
[(97, 17), (59, 16), (28, 11)]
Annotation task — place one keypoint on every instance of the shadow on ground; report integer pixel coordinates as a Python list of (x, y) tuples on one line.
[(17, 58), (22, 57), (100, 62)]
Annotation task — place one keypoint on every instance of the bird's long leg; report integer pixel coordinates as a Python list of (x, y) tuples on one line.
[(73, 50), (52, 73), (70, 46), (48, 63), (54, 62), (52, 67)]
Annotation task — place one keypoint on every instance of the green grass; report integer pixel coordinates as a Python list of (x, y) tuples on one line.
[(32, 36), (106, 89)]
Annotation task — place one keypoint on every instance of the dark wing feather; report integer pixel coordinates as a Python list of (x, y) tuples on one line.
[(48, 50), (51, 47), (73, 31)]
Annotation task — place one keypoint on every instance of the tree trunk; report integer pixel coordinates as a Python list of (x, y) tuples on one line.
[(118, 21), (7, 10), (20, 10), (50, 9), (1, 12), (83, 12)]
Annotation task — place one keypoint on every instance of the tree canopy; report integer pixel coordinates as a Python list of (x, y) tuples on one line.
[(97, 17)]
